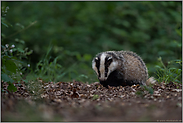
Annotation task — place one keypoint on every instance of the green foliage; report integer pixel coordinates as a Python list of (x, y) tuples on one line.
[(78, 30), (4, 11), (11, 87), (143, 88), (95, 97), (49, 70), (149, 89), (168, 73), (172, 71), (12, 65), (12, 57)]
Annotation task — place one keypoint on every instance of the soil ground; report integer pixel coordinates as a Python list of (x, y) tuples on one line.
[(77, 101)]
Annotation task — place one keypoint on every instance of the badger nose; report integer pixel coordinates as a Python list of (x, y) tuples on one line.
[(102, 79)]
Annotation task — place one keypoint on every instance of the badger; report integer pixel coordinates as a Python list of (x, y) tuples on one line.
[(120, 68)]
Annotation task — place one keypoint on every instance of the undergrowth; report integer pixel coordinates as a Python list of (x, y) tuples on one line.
[(170, 73), (16, 66), (172, 70), (14, 59)]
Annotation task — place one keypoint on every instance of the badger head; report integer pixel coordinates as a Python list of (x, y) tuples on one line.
[(104, 63)]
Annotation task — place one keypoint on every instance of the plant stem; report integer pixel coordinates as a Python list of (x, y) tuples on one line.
[(21, 30)]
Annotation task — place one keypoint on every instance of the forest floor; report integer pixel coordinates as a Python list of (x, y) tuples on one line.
[(77, 101)]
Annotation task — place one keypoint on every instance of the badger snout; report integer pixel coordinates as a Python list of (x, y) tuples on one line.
[(102, 79)]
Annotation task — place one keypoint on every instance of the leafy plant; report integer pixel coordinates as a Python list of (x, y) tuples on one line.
[(95, 97), (49, 70), (4, 11), (13, 63), (84, 29), (167, 73), (13, 66), (143, 88)]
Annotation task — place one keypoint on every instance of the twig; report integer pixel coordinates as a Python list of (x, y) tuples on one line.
[(21, 30)]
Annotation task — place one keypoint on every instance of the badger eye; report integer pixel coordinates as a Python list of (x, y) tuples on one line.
[(109, 61)]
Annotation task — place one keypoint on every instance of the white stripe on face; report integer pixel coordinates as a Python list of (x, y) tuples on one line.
[(102, 67), (94, 67)]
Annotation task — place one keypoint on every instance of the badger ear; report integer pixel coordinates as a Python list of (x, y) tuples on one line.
[(121, 57), (96, 59)]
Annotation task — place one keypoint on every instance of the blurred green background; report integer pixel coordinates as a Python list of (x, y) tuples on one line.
[(65, 36)]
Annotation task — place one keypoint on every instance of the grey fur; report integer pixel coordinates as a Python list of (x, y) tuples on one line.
[(129, 69)]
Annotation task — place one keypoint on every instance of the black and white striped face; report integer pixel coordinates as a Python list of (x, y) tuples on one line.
[(103, 64)]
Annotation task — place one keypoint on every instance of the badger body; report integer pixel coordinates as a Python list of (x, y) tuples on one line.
[(120, 68)]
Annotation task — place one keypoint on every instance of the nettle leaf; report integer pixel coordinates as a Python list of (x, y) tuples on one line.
[(11, 87), (6, 78)]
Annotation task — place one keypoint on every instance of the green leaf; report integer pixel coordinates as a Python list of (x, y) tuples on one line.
[(6, 78), (20, 50), (10, 65), (11, 87), (4, 24), (140, 93), (95, 97), (149, 89), (30, 52)]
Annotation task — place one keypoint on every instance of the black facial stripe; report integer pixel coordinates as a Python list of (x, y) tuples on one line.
[(107, 64), (106, 71), (112, 54), (97, 61)]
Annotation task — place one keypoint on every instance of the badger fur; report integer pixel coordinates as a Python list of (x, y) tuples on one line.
[(115, 68)]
